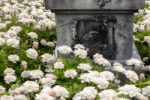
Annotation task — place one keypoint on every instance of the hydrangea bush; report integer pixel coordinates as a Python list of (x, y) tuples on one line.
[(29, 70), (142, 32)]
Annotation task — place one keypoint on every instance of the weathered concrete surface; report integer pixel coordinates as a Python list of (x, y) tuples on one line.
[(110, 34), (123, 36), (94, 4)]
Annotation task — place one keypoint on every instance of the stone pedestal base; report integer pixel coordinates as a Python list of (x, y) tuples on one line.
[(135, 55)]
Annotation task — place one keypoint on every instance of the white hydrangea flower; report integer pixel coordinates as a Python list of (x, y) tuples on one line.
[(45, 23), (118, 67), (24, 64), (25, 74), (43, 42), (2, 41), (6, 97), (34, 74), (71, 73), (88, 93), (107, 75), (141, 28), (13, 42), (133, 62), (9, 71), (84, 67), (10, 78), (2, 25), (27, 21), (79, 46), (48, 58), (100, 82), (141, 97), (146, 91), (20, 97), (17, 29), (14, 31), (50, 44), (135, 27), (43, 96), (32, 53), (2, 90), (35, 44), (11, 34), (8, 36), (48, 90), (87, 77), (32, 35), (147, 39), (61, 91), (51, 76), (59, 65), (48, 81), (108, 95), (64, 49), (132, 76), (18, 90), (130, 90), (8, 22), (7, 17), (13, 58), (80, 53), (2, 34), (100, 60), (96, 56), (30, 86)]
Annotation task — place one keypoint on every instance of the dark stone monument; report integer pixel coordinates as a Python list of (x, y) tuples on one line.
[(103, 26)]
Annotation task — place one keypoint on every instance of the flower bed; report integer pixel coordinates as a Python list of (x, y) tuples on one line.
[(30, 71)]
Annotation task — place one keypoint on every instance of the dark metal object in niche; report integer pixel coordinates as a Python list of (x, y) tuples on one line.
[(102, 3), (97, 34)]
